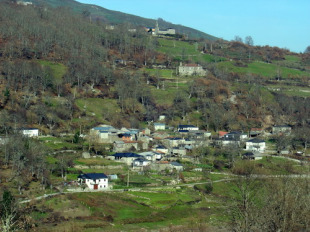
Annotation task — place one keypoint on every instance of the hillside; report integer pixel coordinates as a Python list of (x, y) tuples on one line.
[(62, 74), (79, 72), (115, 17)]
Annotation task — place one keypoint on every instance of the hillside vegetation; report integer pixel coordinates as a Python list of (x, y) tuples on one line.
[(79, 74), (63, 73)]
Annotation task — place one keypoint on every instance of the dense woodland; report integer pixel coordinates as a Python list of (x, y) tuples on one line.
[(50, 58)]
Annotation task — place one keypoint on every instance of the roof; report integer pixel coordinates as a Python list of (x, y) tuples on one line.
[(119, 142), (160, 147), (159, 124), (141, 159), (176, 164), (183, 131), (105, 128), (93, 176), (126, 135), (256, 140), (183, 126), (256, 129), (163, 162), (222, 133), (126, 155), (235, 133), (191, 65), (248, 154), (175, 138)]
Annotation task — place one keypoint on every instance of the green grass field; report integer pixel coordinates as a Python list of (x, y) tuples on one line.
[(59, 70), (181, 50), (264, 69), (130, 211), (98, 107)]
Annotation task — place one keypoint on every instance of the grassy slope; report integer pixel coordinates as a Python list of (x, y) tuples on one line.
[(98, 107), (182, 49), (130, 211), (58, 70), (263, 69)]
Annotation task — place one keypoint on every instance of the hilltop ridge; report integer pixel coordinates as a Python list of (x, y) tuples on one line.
[(116, 17)]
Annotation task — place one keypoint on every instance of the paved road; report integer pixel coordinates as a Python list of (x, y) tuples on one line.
[(168, 186)]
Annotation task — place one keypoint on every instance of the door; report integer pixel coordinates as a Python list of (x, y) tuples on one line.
[(95, 186)]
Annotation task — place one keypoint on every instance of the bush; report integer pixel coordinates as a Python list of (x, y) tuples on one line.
[(219, 164), (204, 188)]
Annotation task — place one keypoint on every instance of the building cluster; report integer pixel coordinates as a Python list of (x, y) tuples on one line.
[(156, 31), (160, 147)]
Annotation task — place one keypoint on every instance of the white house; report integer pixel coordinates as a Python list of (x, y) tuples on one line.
[(255, 145), (30, 132), (151, 155), (230, 142), (126, 158), (94, 181), (161, 149), (188, 128), (177, 166), (174, 142), (141, 162), (162, 117), (159, 126)]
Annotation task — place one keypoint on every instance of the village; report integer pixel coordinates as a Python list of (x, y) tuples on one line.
[(161, 147)]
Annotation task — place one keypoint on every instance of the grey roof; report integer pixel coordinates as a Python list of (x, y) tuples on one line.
[(93, 176), (127, 155), (248, 154), (256, 140), (183, 126), (176, 164), (161, 147), (159, 124), (175, 138)]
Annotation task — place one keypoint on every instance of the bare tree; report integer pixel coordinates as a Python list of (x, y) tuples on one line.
[(248, 40), (238, 39)]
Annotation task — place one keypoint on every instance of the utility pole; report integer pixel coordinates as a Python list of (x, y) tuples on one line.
[(128, 178)]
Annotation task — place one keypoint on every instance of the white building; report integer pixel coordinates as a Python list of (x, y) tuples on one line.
[(94, 181), (126, 158), (188, 128), (255, 145), (161, 149), (30, 132), (159, 126), (141, 162)]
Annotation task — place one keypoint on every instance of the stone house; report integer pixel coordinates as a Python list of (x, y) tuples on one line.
[(191, 69)]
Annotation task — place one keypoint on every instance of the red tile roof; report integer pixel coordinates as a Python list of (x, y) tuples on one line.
[(191, 65)]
